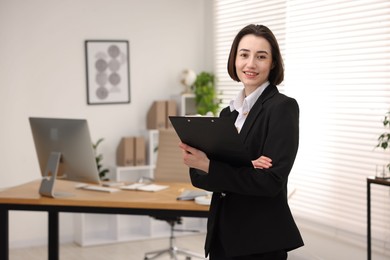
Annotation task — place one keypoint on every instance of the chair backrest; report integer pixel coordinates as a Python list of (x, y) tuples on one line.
[(169, 165)]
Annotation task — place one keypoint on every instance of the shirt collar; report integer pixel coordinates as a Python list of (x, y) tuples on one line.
[(240, 100)]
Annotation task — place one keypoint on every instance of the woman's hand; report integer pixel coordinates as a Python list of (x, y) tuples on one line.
[(195, 158), (263, 162)]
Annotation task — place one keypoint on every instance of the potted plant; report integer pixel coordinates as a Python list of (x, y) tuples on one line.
[(384, 138), (205, 94), (99, 159)]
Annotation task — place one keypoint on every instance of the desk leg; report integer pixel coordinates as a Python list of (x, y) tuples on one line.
[(4, 237), (368, 220), (53, 243)]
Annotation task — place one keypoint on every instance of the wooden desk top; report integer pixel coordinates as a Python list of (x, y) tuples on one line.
[(27, 194)]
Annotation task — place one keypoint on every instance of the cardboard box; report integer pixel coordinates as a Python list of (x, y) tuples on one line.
[(156, 115), (170, 166), (139, 150), (125, 152), (171, 109)]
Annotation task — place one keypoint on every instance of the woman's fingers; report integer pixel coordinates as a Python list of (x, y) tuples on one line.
[(263, 162)]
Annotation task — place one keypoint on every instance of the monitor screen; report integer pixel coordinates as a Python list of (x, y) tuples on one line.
[(70, 141)]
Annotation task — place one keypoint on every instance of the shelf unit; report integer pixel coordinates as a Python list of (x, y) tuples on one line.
[(186, 104), (133, 173), (99, 229)]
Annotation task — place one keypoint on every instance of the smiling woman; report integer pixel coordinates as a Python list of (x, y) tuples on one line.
[(337, 68), (254, 196)]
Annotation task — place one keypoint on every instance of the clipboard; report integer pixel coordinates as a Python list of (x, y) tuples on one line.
[(215, 136)]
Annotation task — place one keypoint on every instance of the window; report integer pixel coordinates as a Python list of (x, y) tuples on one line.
[(337, 66)]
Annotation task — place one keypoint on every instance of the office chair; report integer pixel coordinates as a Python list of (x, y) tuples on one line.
[(170, 167)]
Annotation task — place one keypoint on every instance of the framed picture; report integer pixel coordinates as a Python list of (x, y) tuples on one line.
[(108, 74)]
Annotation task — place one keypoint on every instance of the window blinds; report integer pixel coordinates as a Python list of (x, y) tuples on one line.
[(337, 66)]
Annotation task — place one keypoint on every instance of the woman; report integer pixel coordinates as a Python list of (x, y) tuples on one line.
[(249, 213)]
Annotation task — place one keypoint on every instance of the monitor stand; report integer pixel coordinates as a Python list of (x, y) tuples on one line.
[(48, 181)]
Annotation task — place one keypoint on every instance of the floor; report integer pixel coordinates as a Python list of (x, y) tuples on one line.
[(119, 251), (318, 247)]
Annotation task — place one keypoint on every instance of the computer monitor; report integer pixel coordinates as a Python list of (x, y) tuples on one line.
[(64, 150)]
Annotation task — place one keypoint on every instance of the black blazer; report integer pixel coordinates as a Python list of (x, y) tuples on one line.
[(249, 206)]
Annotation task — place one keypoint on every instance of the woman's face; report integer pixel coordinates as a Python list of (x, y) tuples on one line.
[(253, 61)]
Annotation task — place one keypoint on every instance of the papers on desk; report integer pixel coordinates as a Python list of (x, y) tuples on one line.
[(191, 194), (201, 197), (144, 187)]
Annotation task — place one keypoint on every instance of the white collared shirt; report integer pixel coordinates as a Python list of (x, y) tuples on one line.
[(244, 104)]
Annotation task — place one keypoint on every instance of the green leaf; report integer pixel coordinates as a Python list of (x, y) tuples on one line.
[(205, 93), (99, 159)]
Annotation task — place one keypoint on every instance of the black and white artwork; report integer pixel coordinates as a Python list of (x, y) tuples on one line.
[(108, 79)]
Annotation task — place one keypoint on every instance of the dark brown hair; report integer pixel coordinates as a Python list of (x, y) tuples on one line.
[(276, 74)]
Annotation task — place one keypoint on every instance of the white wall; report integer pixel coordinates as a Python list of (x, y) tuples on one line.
[(42, 73)]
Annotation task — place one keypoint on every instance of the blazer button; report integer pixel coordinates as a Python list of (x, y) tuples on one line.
[(223, 195)]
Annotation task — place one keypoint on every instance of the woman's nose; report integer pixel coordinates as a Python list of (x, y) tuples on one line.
[(251, 62)]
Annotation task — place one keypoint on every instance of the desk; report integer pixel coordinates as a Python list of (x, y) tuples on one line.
[(372, 180), (26, 197)]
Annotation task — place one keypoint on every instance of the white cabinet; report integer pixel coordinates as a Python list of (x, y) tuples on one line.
[(186, 104), (98, 229), (134, 173)]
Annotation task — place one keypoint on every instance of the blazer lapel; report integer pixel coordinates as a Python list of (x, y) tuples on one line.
[(269, 92)]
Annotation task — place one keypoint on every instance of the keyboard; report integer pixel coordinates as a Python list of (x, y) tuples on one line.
[(99, 188)]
